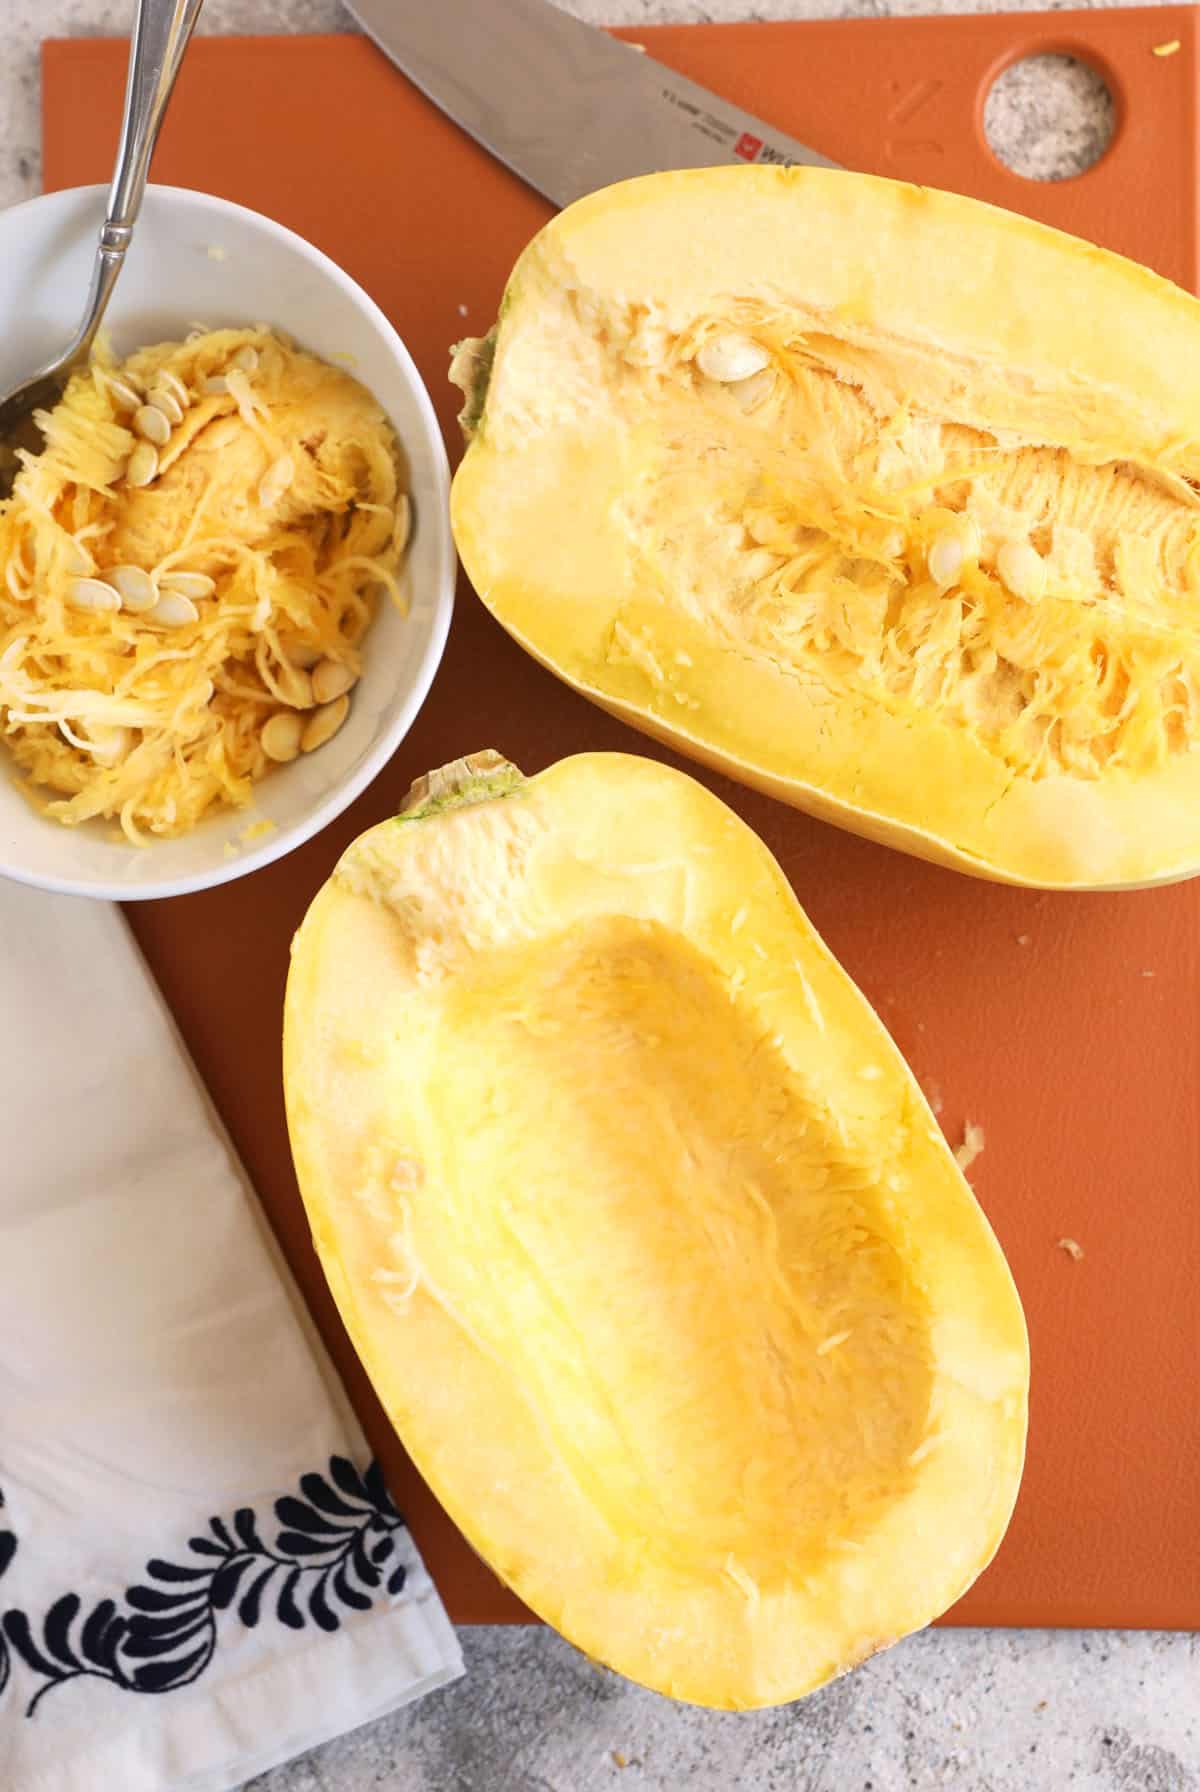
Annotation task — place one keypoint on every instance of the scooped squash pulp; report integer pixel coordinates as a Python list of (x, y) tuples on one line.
[(185, 582), (644, 1233), (878, 498)]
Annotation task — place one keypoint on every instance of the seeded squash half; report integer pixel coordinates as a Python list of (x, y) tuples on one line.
[(878, 498), (644, 1233)]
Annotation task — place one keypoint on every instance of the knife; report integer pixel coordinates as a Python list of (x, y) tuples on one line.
[(561, 103)]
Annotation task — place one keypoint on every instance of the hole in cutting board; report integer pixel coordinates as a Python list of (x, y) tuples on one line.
[(1049, 117)]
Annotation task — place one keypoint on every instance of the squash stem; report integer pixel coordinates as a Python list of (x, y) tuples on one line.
[(477, 778)]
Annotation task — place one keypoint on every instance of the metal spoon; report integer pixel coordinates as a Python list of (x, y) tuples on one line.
[(161, 31)]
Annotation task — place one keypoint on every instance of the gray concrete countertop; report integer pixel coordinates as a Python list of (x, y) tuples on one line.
[(976, 1711)]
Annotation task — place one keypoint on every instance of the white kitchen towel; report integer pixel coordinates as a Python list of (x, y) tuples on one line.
[(201, 1574)]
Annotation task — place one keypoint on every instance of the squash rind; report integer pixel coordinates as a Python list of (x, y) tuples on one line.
[(542, 513), (435, 1007)]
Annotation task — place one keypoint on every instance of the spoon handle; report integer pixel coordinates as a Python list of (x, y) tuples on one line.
[(161, 31)]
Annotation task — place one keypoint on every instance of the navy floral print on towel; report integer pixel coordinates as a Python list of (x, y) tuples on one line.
[(8, 1549), (334, 1551)]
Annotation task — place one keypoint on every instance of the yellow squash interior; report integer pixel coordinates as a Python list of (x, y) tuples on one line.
[(930, 569), (645, 1234)]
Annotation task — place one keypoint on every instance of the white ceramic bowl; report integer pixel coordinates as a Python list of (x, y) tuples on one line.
[(199, 259)]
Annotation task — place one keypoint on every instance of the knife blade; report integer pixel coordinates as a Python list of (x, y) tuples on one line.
[(563, 104)]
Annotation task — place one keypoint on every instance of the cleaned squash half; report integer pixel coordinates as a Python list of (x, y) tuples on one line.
[(644, 1233), (880, 499)]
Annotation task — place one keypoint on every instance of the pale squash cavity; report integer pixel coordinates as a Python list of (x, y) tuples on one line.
[(888, 503), (769, 1395), (644, 1232)]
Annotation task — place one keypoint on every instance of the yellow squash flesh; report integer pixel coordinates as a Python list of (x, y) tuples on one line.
[(877, 498), (644, 1232)]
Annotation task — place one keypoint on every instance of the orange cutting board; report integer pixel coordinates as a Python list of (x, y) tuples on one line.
[(1069, 1027)]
